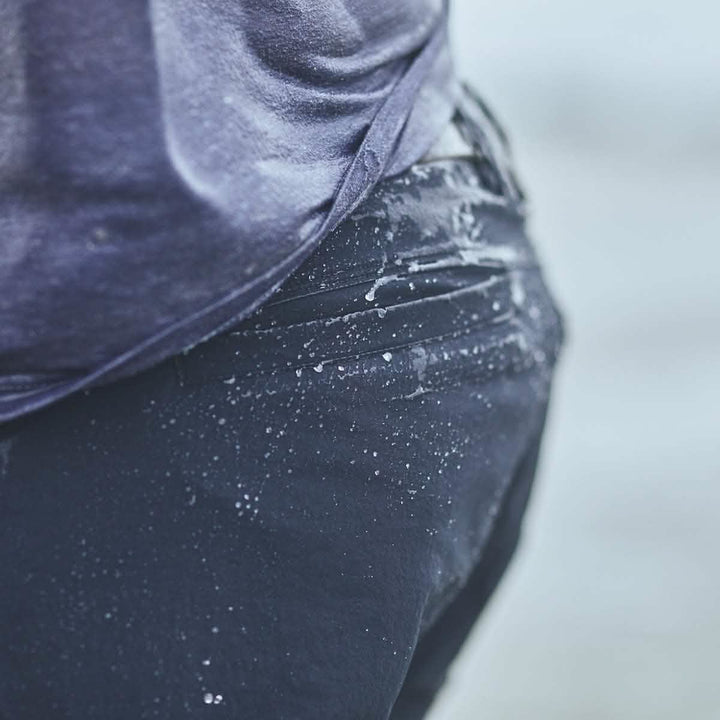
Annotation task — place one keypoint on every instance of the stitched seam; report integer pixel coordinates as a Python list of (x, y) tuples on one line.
[(498, 320), (363, 271), (324, 319)]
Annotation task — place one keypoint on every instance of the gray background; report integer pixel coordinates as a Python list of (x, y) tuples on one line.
[(612, 607)]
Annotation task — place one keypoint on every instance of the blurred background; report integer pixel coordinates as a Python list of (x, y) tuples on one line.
[(612, 606)]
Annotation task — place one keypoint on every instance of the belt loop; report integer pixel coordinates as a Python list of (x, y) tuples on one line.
[(489, 140)]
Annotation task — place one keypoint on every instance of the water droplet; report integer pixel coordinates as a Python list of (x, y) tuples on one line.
[(208, 698)]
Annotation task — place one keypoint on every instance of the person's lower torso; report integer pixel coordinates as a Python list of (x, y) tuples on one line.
[(302, 517)]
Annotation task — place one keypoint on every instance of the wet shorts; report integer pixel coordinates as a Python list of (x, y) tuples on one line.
[(302, 518)]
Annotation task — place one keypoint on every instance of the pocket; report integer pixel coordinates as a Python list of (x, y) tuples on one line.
[(430, 256)]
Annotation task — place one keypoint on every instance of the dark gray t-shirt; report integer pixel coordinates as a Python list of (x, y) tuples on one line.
[(166, 164)]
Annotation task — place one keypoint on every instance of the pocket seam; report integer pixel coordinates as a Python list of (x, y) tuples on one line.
[(315, 321), (498, 321)]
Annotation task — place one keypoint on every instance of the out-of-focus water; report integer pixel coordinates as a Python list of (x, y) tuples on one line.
[(612, 608)]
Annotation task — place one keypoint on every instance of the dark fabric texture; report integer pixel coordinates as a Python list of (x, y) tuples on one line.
[(166, 164), (302, 518)]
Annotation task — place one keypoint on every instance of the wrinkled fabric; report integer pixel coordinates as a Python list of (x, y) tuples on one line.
[(301, 518), (166, 164)]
